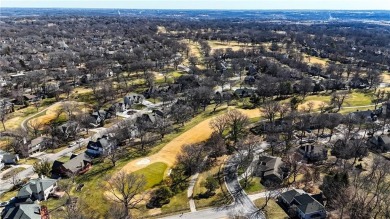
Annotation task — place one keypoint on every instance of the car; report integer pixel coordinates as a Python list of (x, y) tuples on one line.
[(324, 135), (3, 204), (303, 141), (80, 140), (72, 144)]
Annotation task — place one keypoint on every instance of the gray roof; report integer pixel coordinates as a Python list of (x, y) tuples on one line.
[(38, 140), (77, 162), (270, 165), (289, 195), (24, 211), (308, 204), (35, 186), (385, 139)]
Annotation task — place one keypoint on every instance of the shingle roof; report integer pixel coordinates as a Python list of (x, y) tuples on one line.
[(77, 162), (35, 186), (24, 211), (289, 195), (269, 165), (311, 207)]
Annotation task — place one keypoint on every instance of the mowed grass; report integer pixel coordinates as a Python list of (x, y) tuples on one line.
[(356, 98), (197, 130), (6, 196), (272, 210), (234, 45), (254, 185), (315, 60), (12, 173), (178, 203), (154, 173)]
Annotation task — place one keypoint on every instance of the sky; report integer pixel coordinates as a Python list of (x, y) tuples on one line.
[(204, 4)]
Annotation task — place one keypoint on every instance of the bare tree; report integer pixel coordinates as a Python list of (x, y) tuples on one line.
[(219, 124), (126, 189), (237, 121), (270, 110), (338, 98)]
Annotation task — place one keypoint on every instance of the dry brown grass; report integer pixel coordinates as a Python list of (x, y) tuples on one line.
[(52, 112), (386, 77), (316, 104), (168, 153), (315, 60)]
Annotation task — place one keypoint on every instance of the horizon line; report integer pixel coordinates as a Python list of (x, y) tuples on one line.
[(198, 9)]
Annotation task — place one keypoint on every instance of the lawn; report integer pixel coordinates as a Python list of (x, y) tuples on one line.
[(357, 98), (92, 194), (234, 45), (28, 161), (272, 210), (316, 60), (12, 173), (6, 196), (154, 173), (64, 159), (215, 200), (386, 77), (197, 130), (254, 186), (178, 203)]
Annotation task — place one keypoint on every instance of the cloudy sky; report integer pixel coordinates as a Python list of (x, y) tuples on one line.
[(204, 4)]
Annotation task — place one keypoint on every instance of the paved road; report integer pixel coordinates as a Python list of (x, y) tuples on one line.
[(6, 185), (23, 125), (210, 213), (243, 205)]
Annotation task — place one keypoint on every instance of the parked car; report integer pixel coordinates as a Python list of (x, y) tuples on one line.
[(324, 135), (72, 144), (3, 204)]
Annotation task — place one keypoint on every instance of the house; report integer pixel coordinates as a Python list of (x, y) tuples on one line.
[(37, 189), (379, 143), (24, 211), (269, 169), (366, 115), (100, 116), (307, 206), (148, 118), (250, 80), (313, 153), (8, 158), (69, 129), (78, 164), (102, 146), (133, 98), (359, 83), (6, 105), (37, 145), (29, 97), (242, 93)]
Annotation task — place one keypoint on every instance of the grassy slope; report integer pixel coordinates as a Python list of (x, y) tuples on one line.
[(254, 186), (273, 210), (154, 173), (214, 200)]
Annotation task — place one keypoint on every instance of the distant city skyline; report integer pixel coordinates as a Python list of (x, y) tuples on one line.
[(205, 4)]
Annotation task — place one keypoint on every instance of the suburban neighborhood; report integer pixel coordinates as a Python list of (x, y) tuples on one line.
[(174, 114)]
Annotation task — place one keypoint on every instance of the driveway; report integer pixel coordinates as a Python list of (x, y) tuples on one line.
[(243, 205)]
